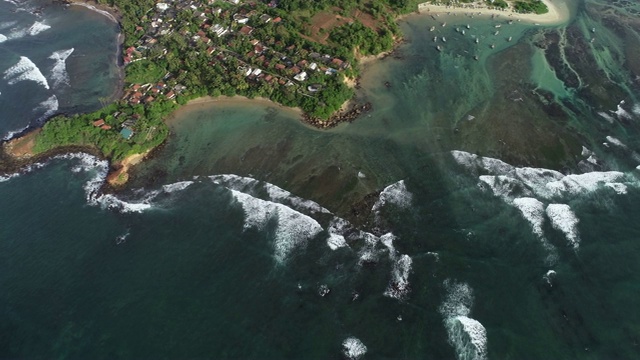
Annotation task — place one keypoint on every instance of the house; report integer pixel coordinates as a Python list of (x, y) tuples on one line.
[(98, 123), (280, 67), (277, 19), (265, 18), (337, 62), (126, 133), (105, 127), (148, 99), (171, 95), (246, 30), (301, 76)]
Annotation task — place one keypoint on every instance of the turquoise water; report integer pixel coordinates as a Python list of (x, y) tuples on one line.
[(489, 258)]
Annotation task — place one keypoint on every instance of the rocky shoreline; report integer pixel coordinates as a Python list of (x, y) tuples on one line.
[(342, 116)]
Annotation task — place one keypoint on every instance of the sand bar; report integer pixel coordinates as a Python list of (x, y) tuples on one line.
[(558, 12)]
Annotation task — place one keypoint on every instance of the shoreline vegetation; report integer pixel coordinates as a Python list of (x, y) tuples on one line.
[(179, 53)]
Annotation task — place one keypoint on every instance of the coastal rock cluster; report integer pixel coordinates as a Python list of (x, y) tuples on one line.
[(342, 116)]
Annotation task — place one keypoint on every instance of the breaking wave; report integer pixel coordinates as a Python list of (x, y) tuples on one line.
[(396, 194), (563, 219), (25, 70), (353, 348), (49, 106), (59, 73), (533, 211), (468, 336), (37, 28), (293, 228), (269, 191)]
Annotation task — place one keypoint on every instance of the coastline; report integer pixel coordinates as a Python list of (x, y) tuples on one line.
[(110, 12), (555, 16)]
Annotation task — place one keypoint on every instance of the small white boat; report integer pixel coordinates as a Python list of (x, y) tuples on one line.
[(468, 26), (444, 24), (498, 26), (439, 48), (444, 39), (493, 46), (510, 38), (457, 29), (463, 32), (497, 32), (435, 38), (477, 40), (432, 28)]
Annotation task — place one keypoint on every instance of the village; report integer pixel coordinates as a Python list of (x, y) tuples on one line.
[(224, 28)]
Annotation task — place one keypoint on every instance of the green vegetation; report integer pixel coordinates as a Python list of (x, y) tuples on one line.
[(179, 51), (533, 6)]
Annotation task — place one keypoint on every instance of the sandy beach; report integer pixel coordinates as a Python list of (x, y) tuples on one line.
[(558, 13), (204, 101)]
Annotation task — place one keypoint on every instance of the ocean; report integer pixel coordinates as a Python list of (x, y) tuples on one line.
[(484, 209)]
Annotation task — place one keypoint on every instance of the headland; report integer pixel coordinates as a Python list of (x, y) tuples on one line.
[(183, 52)]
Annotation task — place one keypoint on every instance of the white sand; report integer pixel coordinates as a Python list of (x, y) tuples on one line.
[(558, 13)]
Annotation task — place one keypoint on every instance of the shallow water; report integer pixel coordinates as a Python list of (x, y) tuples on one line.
[(184, 265)]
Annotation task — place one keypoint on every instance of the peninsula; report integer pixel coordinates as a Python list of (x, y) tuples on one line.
[(295, 53)]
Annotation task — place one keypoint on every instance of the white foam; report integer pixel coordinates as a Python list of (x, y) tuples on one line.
[(49, 106), (549, 276), (353, 348), (563, 219), (576, 184), (508, 182), (616, 142), (13, 133), (37, 28), (636, 109), (586, 152), (178, 186), (399, 288), (24, 70), (395, 194), (468, 337), (274, 193), (606, 116), (59, 73), (458, 301), (293, 228), (336, 241), (622, 113), (7, 24), (3, 38), (533, 211)]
